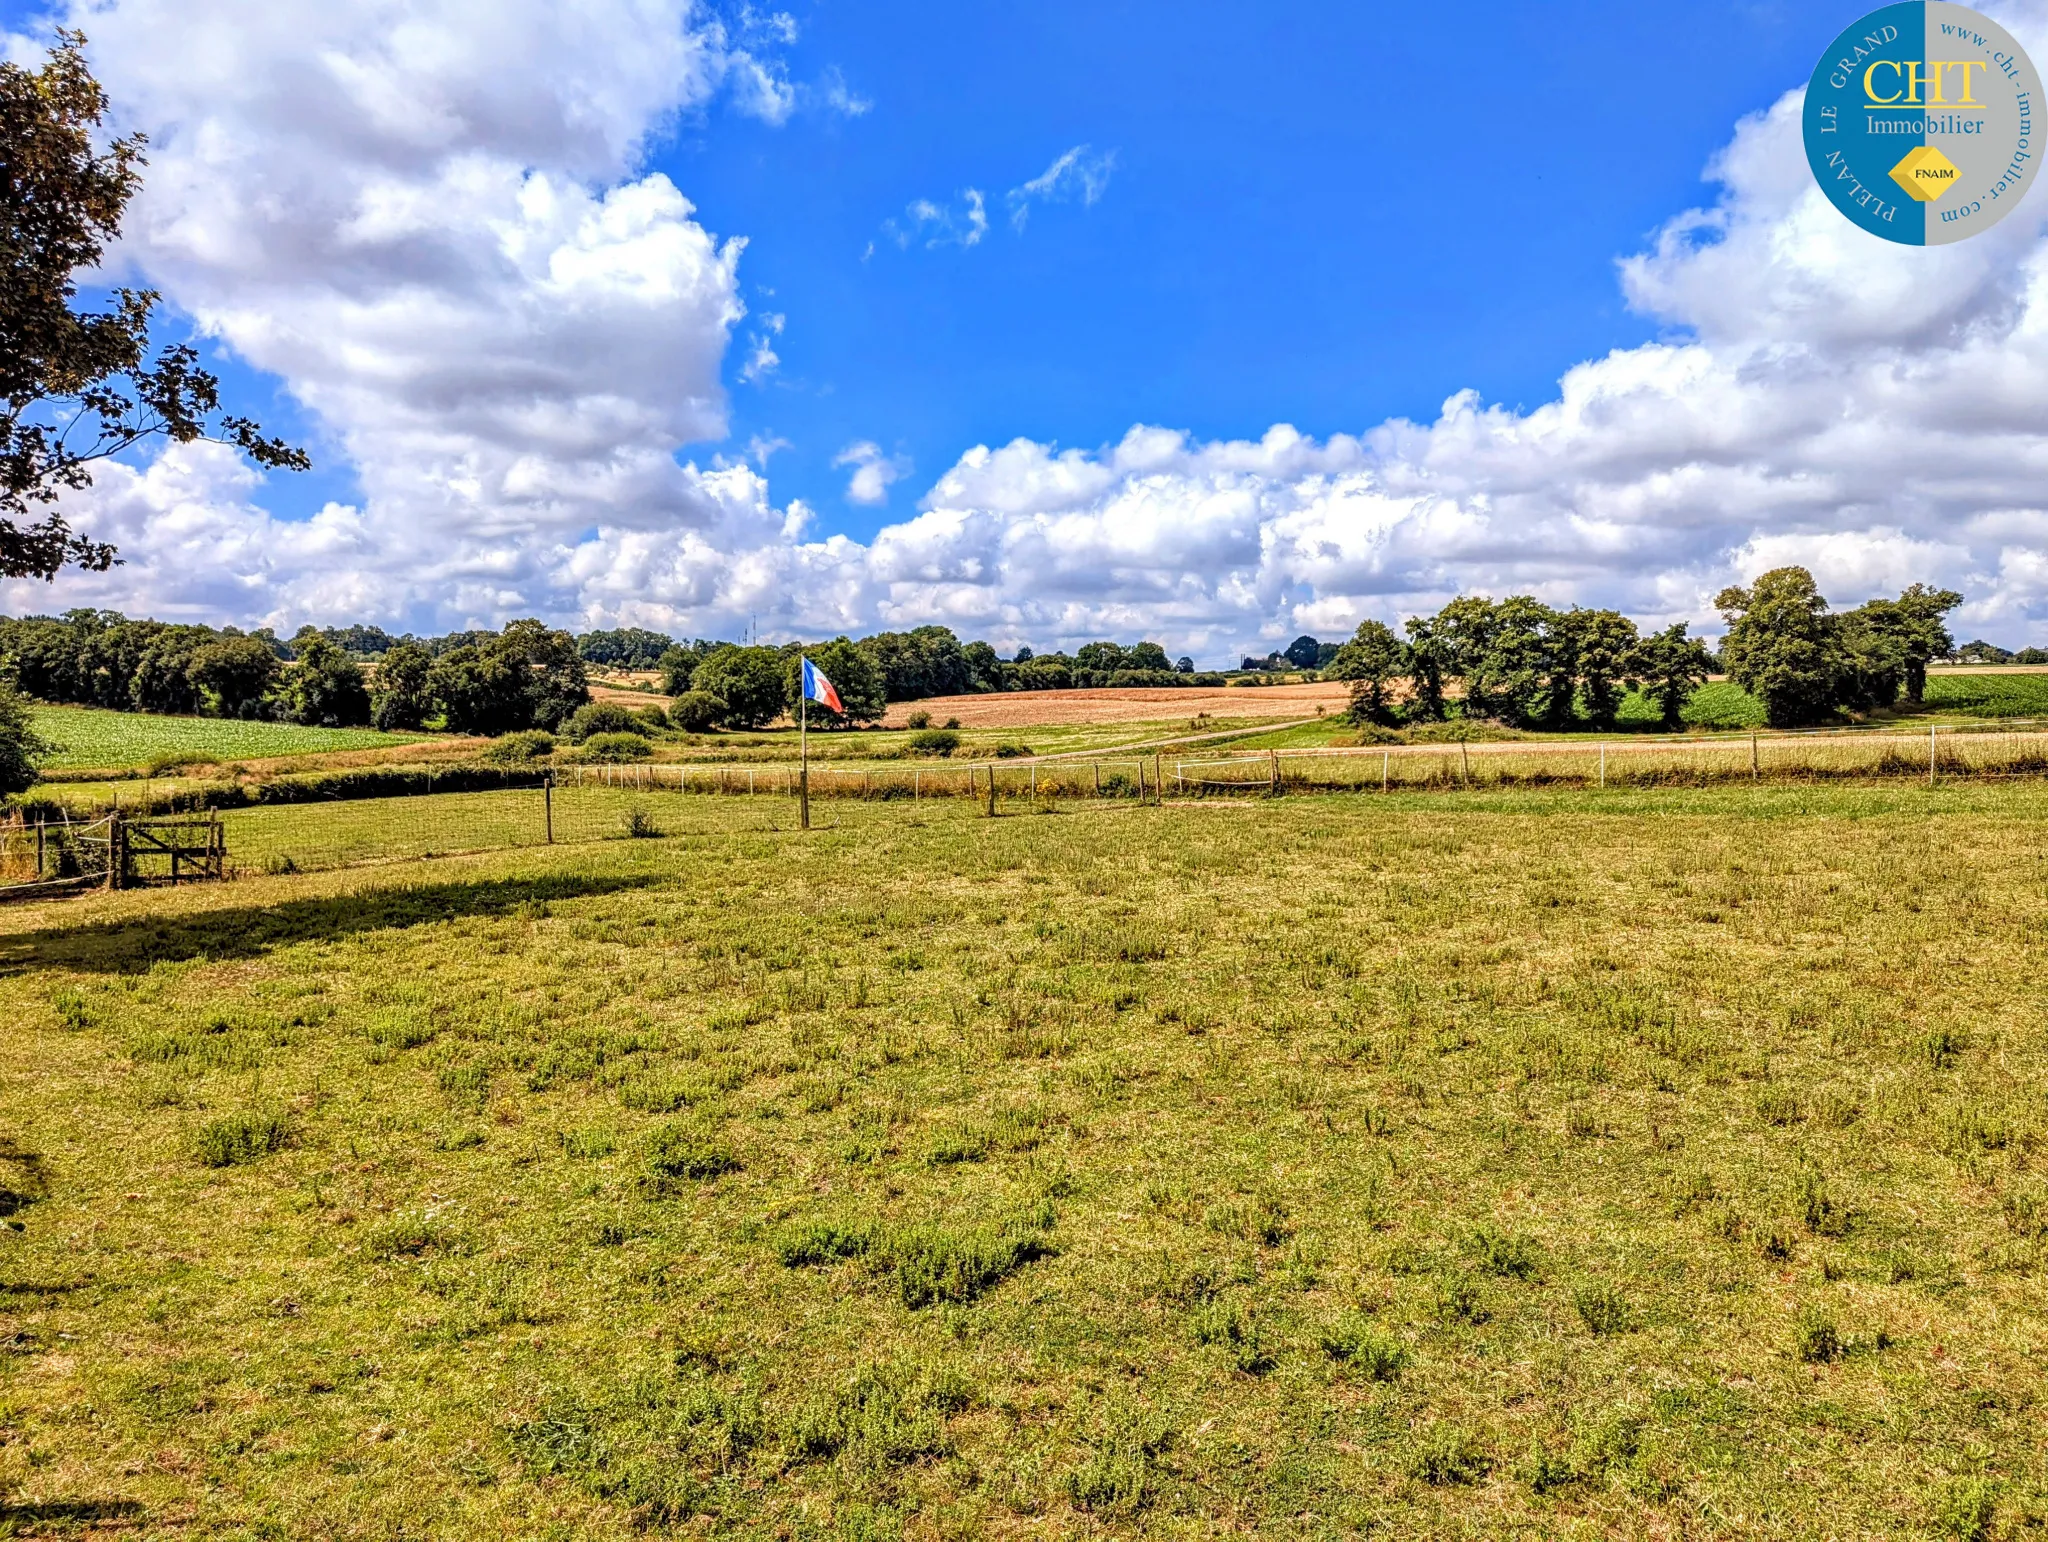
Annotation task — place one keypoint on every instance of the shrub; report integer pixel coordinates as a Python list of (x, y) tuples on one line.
[(640, 825), (934, 741), (601, 717), (696, 712), (518, 748), (654, 717), (614, 749), (236, 1139), (1602, 1308), (918, 719)]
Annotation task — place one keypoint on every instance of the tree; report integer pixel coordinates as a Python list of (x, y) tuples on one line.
[(1184, 665), (1670, 666), (1600, 643), (926, 662), (480, 691), (984, 669), (1782, 647), (747, 680), (77, 386), (1371, 661), (1923, 616), (1102, 657), (1304, 653), (1871, 646), (236, 673), (552, 673), (630, 647), (1148, 656), (323, 687), (853, 675), (1507, 653), (1429, 659), (403, 698), (21, 747)]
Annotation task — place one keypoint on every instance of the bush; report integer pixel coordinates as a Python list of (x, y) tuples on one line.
[(612, 749), (236, 1139), (934, 741), (918, 719), (653, 716), (640, 825), (517, 749), (696, 712), (601, 717)]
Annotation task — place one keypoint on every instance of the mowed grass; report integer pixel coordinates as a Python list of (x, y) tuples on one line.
[(91, 738), (1543, 1165)]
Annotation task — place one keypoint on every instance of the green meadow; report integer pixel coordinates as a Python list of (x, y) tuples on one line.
[(1556, 1165)]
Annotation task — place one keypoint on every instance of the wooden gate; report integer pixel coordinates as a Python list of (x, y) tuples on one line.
[(159, 851)]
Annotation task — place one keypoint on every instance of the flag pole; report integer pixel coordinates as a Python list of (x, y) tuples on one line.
[(803, 741)]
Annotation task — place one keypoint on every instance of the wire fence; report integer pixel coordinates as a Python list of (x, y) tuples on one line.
[(397, 820)]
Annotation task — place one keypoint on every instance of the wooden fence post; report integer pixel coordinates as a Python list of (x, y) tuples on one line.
[(547, 803), (1386, 761), (1464, 763), (1930, 754), (116, 857), (991, 792), (1276, 772), (1158, 782), (1755, 773), (1098, 778)]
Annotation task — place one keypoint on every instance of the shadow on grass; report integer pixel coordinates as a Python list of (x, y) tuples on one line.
[(23, 1520), (132, 944)]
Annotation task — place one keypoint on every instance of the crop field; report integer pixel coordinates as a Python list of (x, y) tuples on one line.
[(90, 737), (1662, 1163), (2005, 694)]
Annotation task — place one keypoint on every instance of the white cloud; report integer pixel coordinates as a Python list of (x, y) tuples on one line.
[(432, 222), (1078, 173), (931, 225), (873, 472)]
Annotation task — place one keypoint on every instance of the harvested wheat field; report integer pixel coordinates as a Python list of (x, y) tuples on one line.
[(1021, 709)]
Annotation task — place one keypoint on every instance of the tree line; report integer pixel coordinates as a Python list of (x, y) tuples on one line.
[(1528, 665)]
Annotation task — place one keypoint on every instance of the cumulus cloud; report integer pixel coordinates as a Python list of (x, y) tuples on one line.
[(873, 472), (1079, 173), (433, 223)]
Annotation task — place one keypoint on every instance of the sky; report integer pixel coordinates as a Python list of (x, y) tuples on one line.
[(1210, 325)]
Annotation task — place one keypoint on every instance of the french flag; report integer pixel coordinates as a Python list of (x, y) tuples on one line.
[(819, 689)]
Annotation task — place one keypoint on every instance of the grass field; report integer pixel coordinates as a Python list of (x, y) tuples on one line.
[(92, 738), (1520, 1164)]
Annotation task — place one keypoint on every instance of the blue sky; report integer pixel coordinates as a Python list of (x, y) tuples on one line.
[(1310, 217), (1313, 217)]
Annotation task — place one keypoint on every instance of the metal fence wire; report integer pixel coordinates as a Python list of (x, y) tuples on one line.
[(590, 803)]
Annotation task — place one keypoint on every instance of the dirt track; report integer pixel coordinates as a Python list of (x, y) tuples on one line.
[(1021, 709)]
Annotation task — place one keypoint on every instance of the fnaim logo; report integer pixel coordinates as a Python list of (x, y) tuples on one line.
[(1920, 123)]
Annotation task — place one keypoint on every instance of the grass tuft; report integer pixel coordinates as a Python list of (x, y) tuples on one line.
[(235, 1140)]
